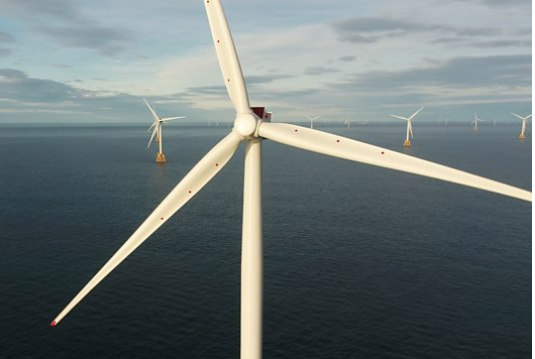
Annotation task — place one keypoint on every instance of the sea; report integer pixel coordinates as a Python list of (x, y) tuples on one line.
[(359, 261)]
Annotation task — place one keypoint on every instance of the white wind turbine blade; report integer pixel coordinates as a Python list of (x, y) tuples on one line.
[(514, 114), (520, 117), (152, 136), (310, 118), (154, 114), (192, 183), (401, 118), (227, 56), (410, 129), (414, 114), (337, 146), (171, 118)]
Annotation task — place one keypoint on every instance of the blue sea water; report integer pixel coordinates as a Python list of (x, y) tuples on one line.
[(360, 262)]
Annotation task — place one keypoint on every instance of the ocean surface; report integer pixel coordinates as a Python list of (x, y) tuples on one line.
[(360, 262)]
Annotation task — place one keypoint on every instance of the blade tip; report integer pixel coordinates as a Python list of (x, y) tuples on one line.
[(54, 323)]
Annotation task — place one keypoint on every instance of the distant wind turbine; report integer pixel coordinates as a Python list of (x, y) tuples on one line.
[(407, 142), (252, 125), (524, 124), (312, 119), (158, 131), (476, 121)]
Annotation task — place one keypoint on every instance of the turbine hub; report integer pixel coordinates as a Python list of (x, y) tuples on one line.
[(246, 124)]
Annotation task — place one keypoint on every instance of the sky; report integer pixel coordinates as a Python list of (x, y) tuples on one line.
[(93, 61)]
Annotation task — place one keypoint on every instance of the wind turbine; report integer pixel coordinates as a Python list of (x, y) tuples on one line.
[(348, 123), (476, 121), (158, 131), (407, 142), (312, 119), (524, 123), (251, 126)]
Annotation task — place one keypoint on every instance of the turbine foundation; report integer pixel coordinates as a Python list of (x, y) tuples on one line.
[(160, 158), (407, 143), (522, 136)]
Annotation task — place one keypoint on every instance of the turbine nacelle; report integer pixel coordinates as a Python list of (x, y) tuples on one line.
[(246, 124)]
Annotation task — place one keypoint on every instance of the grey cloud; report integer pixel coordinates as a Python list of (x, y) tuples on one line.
[(373, 29), (449, 40), (379, 24), (12, 74), (32, 99), (4, 52), (6, 37), (461, 72), (16, 85), (71, 28), (319, 70), (264, 79), (207, 90), (58, 9), (106, 41), (347, 58), (498, 43), (502, 43), (501, 3)]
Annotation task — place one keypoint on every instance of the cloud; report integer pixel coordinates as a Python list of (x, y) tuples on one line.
[(25, 98), (347, 58), (70, 28), (6, 37), (455, 73), (207, 90), (500, 3), (16, 85), (319, 70), (497, 43), (57, 9), (373, 29), (264, 79), (106, 41)]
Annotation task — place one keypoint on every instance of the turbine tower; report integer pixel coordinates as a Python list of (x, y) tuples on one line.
[(158, 131), (252, 125), (312, 119), (476, 121), (524, 124), (407, 142)]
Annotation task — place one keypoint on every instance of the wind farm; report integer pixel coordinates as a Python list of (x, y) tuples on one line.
[(252, 126), (272, 234)]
